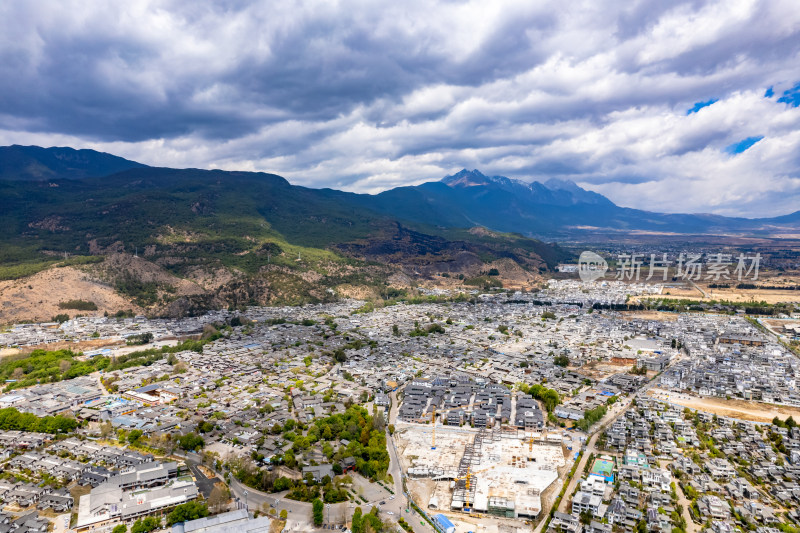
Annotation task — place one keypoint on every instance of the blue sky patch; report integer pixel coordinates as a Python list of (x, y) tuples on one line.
[(744, 144), (770, 92), (791, 96), (700, 105)]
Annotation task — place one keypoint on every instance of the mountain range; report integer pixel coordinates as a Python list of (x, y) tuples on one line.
[(177, 241), (553, 209)]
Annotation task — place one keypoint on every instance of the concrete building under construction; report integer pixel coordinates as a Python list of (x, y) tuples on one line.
[(499, 472)]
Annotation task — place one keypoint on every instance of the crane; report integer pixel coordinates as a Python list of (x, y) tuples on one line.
[(433, 421), (467, 478), (542, 438)]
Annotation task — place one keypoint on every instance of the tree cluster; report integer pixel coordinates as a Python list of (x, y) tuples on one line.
[(590, 417), (549, 397), (146, 524), (139, 339), (46, 367), (362, 523), (11, 419), (187, 511), (367, 445), (789, 423), (191, 442), (317, 506)]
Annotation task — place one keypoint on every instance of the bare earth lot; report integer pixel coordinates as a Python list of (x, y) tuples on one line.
[(741, 409), (650, 315), (37, 297)]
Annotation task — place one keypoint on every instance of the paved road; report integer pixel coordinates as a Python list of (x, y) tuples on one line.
[(691, 527), (299, 513), (256, 499), (617, 410), (99, 377), (204, 484), (699, 289), (401, 504), (60, 523)]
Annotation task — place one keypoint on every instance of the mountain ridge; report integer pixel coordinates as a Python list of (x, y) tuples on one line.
[(553, 209), (35, 163)]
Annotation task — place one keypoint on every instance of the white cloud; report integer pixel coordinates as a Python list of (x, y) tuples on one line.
[(366, 97)]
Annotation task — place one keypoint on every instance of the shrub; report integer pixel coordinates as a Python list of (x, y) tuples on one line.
[(78, 305)]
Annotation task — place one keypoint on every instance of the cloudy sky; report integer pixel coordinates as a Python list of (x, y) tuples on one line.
[(668, 106)]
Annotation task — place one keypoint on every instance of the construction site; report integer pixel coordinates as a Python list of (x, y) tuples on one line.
[(499, 472)]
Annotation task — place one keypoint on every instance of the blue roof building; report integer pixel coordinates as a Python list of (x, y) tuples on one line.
[(444, 524)]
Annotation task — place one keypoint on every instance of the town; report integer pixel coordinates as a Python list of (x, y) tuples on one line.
[(556, 410)]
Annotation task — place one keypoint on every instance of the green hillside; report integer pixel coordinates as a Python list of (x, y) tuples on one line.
[(265, 231)]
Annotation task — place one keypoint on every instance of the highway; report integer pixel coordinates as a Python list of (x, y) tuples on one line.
[(617, 410)]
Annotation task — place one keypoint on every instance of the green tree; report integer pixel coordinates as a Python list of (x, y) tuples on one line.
[(120, 528), (561, 360), (187, 511), (281, 484), (134, 436), (191, 441), (146, 525), (356, 524), (317, 507)]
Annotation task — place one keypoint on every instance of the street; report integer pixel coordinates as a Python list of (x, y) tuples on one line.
[(299, 513), (391, 506), (616, 410)]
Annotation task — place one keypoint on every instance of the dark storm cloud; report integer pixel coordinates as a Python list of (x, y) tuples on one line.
[(96, 80), (367, 96)]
